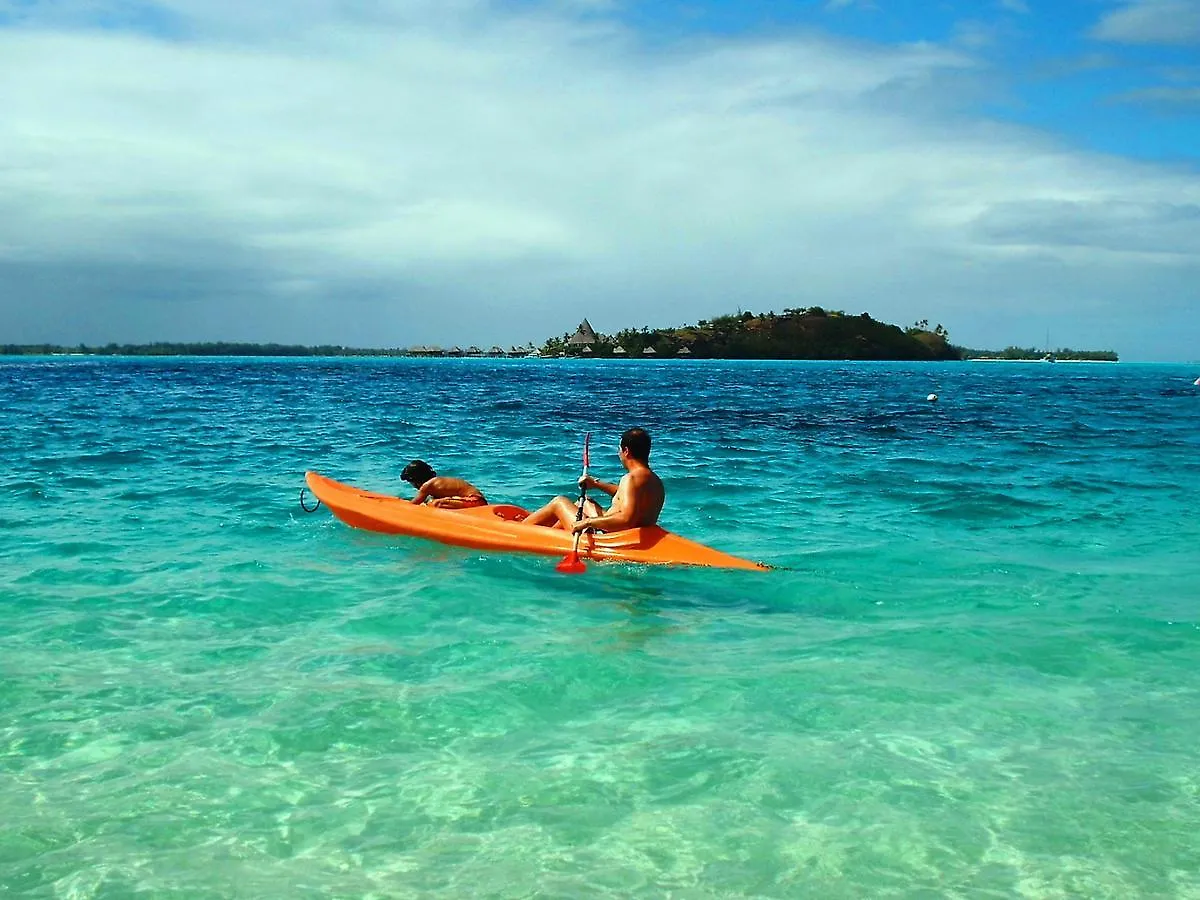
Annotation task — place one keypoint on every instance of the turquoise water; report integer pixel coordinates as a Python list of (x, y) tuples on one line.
[(975, 674)]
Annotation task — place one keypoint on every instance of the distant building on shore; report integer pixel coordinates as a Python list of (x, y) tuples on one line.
[(496, 352), (584, 336)]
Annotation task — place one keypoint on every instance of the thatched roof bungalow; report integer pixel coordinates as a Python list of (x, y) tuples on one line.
[(585, 334)]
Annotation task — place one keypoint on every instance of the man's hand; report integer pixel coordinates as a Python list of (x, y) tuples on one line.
[(581, 525), (586, 481)]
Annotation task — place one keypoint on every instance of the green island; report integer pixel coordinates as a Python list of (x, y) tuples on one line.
[(811, 333)]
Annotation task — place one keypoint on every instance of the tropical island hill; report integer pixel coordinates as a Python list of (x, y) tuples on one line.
[(811, 333)]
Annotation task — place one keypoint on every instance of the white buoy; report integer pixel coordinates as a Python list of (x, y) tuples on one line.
[(1196, 382), (932, 398)]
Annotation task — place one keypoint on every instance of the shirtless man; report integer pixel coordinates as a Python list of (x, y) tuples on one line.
[(442, 492), (637, 499)]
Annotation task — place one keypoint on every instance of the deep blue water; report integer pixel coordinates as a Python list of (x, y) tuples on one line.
[(974, 674)]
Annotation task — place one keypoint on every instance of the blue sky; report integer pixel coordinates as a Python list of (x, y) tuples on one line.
[(394, 172), (1114, 77)]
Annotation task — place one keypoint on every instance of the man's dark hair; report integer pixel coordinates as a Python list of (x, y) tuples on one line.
[(418, 472), (637, 442)]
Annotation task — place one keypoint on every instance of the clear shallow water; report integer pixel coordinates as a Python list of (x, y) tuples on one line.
[(975, 675)]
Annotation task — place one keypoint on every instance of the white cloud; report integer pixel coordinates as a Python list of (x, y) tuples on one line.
[(1152, 22), (834, 5), (448, 173), (1164, 97), (1160, 229)]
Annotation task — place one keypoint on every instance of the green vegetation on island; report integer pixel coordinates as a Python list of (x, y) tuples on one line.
[(1065, 354), (811, 333), (226, 348), (217, 348)]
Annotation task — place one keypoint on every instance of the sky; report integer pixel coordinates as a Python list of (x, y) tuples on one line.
[(385, 173)]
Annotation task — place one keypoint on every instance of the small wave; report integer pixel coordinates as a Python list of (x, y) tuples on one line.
[(78, 548), (31, 490), (977, 505), (1081, 485), (141, 495), (112, 457), (80, 481)]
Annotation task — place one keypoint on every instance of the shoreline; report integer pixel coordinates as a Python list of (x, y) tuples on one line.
[(9, 357), (1001, 359)]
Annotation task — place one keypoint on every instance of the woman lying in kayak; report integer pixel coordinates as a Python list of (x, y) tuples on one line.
[(637, 499), (440, 491)]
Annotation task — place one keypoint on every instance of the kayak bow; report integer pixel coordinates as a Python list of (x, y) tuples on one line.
[(501, 527)]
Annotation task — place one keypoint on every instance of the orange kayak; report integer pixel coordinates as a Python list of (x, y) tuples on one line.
[(501, 527)]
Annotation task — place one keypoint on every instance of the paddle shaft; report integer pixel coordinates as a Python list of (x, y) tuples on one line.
[(587, 440), (572, 563), (583, 487)]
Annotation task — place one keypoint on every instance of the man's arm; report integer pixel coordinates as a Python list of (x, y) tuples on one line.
[(626, 508), (590, 482)]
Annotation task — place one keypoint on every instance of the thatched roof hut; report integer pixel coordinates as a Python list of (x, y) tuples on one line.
[(584, 334)]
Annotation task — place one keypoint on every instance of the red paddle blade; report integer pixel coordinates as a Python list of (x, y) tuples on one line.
[(571, 565)]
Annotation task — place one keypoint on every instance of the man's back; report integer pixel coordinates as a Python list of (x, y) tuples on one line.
[(641, 494)]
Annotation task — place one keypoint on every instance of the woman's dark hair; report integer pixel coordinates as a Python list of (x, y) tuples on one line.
[(637, 442), (418, 472)]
